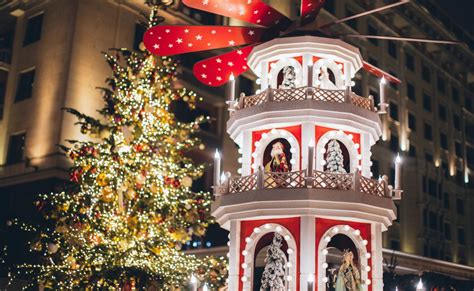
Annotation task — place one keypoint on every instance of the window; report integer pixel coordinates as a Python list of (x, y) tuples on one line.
[(394, 143), (393, 111), (428, 132), (444, 170), (395, 245), (375, 95), (411, 121), (138, 36), (459, 206), (447, 231), (457, 122), (392, 49), (468, 103), (353, 22), (442, 112), (433, 220), (411, 93), (455, 95), (427, 102), (458, 149), (412, 151), (16, 148), (393, 85), (33, 29), (426, 73), (443, 139), (425, 217), (25, 85), (429, 157), (371, 30), (330, 6), (446, 200), (373, 61), (199, 15), (398, 212), (441, 85), (432, 187), (3, 87), (461, 236), (410, 61)]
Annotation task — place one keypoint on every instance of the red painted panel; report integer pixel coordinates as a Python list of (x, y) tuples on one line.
[(246, 229), (321, 130), (322, 225), (295, 130)]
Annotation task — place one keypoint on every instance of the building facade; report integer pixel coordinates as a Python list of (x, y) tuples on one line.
[(50, 58)]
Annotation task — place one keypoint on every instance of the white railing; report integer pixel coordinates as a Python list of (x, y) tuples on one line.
[(300, 179), (306, 93)]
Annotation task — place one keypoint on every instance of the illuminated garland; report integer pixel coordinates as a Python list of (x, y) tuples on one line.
[(131, 207)]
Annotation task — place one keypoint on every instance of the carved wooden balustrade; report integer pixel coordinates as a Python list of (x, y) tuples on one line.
[(305, 93), (300, 179)]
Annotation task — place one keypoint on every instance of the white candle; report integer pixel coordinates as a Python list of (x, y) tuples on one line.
[(310, 282), (310, 158), (310, 75), (398, 172), (231, 88), (217, 168), (382, 90)]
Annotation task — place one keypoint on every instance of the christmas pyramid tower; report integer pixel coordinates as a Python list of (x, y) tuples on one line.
[(305, 141)]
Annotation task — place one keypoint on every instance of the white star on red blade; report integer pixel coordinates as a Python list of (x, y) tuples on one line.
[(222, 66), (190, 38)]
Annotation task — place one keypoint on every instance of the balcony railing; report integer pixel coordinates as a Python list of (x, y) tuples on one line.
[(306, 93), (299, 179)]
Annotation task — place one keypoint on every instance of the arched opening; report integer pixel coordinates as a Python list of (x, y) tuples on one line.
[(277, 156), (329, 153), (261, 250), (339, 244)]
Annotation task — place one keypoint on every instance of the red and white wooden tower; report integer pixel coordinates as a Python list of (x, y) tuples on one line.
[(285, 186)]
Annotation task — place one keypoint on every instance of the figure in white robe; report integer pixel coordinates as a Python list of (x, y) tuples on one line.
[(348, 277), (324, 80)]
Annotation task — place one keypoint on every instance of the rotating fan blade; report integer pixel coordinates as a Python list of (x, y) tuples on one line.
[(363, 14), (380, 73), (216, 71), (252, 11), (167, 40), (309, 10), (412, 39)]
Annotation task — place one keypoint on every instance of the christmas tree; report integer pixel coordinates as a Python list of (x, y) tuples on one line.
[(130, 207), (273, 277), (334, 158)]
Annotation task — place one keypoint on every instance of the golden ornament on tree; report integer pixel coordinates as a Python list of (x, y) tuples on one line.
[(102, 180)]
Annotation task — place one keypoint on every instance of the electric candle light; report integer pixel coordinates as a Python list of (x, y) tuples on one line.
[(217, 168), (398, 172), (382, 90), (419, 286), (231, 88)]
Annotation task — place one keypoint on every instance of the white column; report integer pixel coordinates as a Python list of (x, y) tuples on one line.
[(246, 153), (307, 130), (307, 251), (347, 74), (377, 258), (234, 255), (365, 152), (264, 76), (306, 63)]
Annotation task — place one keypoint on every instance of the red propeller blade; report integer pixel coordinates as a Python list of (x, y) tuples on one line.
[(166, 40), (253, 11), (310, 10), (380, 73), (216, 71)]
